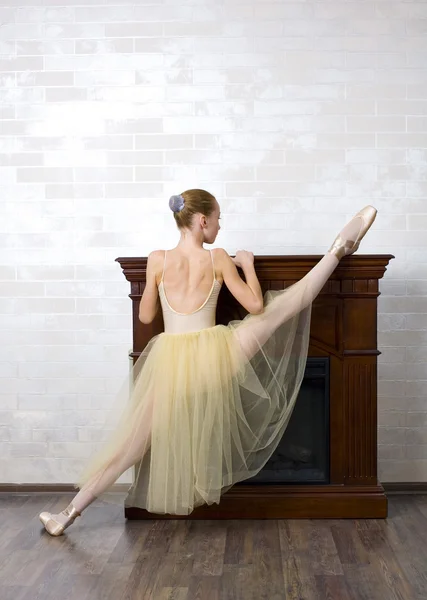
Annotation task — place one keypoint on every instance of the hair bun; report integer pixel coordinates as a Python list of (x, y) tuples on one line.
[(176, 203)]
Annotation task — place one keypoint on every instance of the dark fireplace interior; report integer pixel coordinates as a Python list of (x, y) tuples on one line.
[(303, 454)]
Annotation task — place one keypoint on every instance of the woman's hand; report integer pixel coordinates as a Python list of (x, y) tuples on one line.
[(243, 259)]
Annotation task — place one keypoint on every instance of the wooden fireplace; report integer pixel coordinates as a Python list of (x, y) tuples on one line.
[(344, 329)]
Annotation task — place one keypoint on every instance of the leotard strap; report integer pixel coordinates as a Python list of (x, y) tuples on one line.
[(213, 265), (164, 266)]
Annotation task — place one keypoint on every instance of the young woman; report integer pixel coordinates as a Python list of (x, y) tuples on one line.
[(209, 402)]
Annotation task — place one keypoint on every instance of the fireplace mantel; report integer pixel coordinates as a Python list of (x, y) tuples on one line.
[(343, 328)]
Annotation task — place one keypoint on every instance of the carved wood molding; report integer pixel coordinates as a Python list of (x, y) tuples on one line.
[(290, 268), (360, 406)]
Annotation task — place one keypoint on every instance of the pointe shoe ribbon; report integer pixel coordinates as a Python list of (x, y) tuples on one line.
[(54, 527), (342, 247)]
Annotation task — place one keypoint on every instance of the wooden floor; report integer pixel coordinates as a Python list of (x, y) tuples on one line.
[(104, 557)]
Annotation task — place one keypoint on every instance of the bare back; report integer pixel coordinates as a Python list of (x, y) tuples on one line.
[(188, 280)]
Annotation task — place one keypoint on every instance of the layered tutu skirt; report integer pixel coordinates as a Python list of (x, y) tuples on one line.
[(205, 410)]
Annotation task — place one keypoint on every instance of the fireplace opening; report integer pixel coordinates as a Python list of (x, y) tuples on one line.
[(302, 456)]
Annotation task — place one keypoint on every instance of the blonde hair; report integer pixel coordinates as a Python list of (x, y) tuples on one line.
[(194, 202)]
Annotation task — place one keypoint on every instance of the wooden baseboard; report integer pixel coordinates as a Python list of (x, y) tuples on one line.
[(405, 488), (64, 488), (51, 488)]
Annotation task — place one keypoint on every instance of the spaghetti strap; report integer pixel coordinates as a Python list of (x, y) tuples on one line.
[(164, 266), (213, 265)]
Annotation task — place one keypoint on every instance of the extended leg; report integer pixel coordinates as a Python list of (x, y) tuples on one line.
[(257, 330)]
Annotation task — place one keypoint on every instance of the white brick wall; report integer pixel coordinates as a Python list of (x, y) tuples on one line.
[(294, 114)]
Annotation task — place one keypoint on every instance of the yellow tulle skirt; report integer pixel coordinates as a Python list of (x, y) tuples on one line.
[(205, 410)]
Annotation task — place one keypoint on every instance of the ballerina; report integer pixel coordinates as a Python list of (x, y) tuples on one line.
[(209, 403)]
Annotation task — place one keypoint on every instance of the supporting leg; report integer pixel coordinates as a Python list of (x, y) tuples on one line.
[(131, 452), (128, 454)]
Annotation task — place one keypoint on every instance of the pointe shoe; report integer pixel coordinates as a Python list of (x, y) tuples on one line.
[(54, 527), (342, 247)]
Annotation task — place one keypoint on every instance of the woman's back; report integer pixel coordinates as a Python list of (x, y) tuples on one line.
[(188, 281), (188, 291)]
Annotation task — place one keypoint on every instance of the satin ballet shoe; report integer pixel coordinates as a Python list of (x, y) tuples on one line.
[(54, 527), (342, 247)]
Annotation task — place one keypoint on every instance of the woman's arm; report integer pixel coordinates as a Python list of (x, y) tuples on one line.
[(149, 304), (248, 294)]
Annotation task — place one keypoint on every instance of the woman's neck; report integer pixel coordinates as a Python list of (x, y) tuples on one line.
[(190, 242)]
